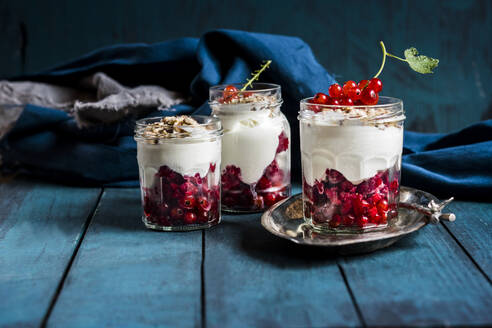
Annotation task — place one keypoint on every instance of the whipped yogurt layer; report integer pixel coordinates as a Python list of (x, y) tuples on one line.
[(357, 150), (181, 156), (250, 138), (180, 143)]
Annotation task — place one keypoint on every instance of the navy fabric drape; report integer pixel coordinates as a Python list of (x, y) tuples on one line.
[(46, 142)]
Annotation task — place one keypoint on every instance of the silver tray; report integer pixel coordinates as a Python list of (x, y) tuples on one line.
[(417, 208)]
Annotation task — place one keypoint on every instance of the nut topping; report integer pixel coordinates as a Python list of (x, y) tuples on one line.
[(170, 126)]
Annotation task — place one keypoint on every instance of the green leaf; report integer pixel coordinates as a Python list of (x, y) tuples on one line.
[(421, 64)]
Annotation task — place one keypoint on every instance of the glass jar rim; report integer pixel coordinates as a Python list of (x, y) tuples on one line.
[(270, 90), (394, 105), (207, 126), (256, 87), (269, 97)]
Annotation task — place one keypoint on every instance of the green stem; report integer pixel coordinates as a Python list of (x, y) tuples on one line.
[(396, 57), (256, 75), (385, 53), (384, 59)]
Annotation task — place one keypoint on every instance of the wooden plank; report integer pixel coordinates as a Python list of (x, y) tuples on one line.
[(473, 230), (40, 226), (253, 279), (424, 279), (125, 275)]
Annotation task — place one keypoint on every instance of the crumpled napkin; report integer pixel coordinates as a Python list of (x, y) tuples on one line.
[(99, 99)]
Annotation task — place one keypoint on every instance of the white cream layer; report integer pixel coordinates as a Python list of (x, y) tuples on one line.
[(356, 151), (186, 157), (250, 139)]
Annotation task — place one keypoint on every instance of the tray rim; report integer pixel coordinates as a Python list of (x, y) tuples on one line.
[(422, 221)]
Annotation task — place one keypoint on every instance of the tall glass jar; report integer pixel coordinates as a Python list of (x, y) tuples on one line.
[(351, 159), (255, 165), (179, 171)]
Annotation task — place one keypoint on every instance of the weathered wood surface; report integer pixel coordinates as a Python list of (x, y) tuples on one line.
[(473, 231), (127, 276), (424, 279), (253, 279), (40, 226), (343, 35), (235, 274)]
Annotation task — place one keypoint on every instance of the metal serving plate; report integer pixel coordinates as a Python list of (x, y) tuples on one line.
[(417, 208)]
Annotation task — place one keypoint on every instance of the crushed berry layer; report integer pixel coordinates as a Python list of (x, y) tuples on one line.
[(177, 200), (272, 187), (336, 203)]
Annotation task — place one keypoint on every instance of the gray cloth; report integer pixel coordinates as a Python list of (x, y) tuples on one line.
[(100, 99)]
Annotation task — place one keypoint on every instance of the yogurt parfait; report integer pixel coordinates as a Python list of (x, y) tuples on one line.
[(179, 162), (255, 165), (351, 146), (351, 158)]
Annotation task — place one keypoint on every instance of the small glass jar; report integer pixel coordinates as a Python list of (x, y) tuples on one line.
[(255, 165), (179, 178), (351, 159)]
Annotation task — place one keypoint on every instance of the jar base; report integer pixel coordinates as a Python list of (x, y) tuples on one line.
[(190, 227), (326, 229), (233, 211)]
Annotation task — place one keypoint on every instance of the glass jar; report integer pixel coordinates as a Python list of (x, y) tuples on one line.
[(351, 159), (179, 180), (255, 165)]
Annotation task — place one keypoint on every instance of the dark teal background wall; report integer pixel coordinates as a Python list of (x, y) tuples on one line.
[(344, 36)]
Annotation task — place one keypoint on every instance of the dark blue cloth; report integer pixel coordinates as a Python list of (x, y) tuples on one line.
[(47, 142)]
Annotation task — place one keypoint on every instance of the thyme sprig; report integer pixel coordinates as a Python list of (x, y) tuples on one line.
[(256, 75)]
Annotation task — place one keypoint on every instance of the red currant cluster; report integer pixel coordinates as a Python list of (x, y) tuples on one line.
[(363, 93), (177, 200)]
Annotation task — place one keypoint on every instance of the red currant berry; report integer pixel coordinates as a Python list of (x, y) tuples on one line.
[(320, 98), (187, 202), (354, 93), (314, 108), (230, 91), (333, 101), (362, 221), (372, 212), (270, 198), (335, 91), (177, 213), (383, 218), (376, 84), (203, 216), (190, 218), (203, 203), (369, 97), (382, 206), (362, 84), (347, 101), (348, 86)]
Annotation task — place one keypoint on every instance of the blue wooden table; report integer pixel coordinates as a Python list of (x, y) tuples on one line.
[(80, 257)]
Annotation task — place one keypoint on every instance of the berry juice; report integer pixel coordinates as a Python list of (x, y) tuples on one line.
[(179, 160), (255, 165), (351, 158)]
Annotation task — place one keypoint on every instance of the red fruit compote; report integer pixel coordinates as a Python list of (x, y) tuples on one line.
[(179, 161), (255, 147), (351, 158)]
